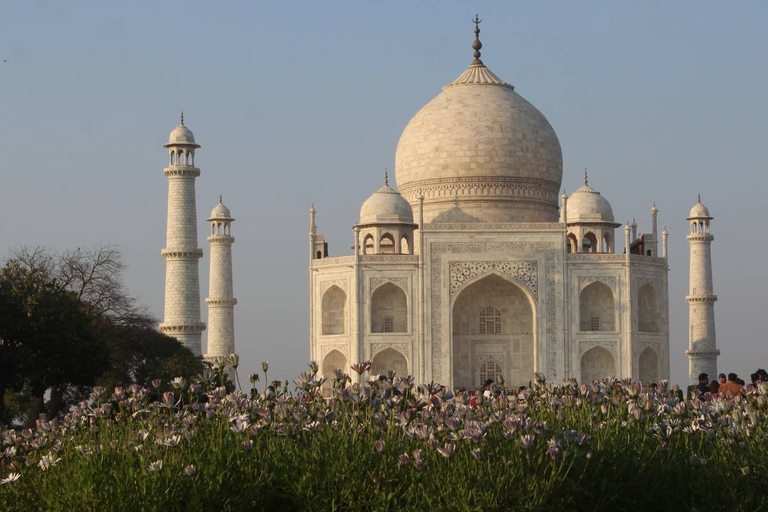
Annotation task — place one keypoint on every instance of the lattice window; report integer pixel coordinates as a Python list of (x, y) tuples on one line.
[(490, 321), (595, 323), (389, 324), (489, 370)]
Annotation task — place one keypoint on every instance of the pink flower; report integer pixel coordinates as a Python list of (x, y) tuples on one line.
[(379, 445)]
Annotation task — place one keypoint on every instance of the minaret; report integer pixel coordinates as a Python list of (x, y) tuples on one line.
[(702, 349), (221, 303), (182, 279)]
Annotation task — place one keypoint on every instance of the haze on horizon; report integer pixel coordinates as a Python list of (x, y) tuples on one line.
[(305, 103)]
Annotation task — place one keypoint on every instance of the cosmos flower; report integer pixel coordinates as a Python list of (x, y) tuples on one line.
[(155, 466), (12, 477)]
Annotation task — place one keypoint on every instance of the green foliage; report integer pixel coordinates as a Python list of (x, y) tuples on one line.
[(387, 445)]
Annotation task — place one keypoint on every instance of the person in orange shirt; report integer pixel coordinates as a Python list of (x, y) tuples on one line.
[(731, 387)]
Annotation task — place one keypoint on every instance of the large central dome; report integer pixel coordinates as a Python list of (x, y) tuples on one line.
[(481, 143)]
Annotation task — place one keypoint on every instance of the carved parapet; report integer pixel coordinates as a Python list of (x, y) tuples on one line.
[(220, 302), (700, 299), (221, 239), (333, 262), (182, 253), (180, 171), (190, 328)]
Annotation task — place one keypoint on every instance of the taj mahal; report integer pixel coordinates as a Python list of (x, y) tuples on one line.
[(476, 266)]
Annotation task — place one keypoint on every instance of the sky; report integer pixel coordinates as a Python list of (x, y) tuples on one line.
[(301, 102)]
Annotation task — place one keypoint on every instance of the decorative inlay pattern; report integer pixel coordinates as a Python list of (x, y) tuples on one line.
[(403, 348), (524, 271), (341, 283), (182, 172), (483, 187), (636, 258), (546, 248), (399, 258), (585, 281), (330, 262), (643, 280), (500, 226), (610, 346), (402, 282), (326, 349)]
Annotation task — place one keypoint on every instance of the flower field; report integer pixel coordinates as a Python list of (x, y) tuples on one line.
[(384, 443)]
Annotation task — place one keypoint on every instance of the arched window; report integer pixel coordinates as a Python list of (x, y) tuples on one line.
[(597, 308), (404, 245), (589, 243), (489, 370), (389, 360), (333, 361), (387, 244), (490, 320), (649, 366), (597, 364), (389, 309), (573, 243), (368, 244), (334, 307), (173, 158), (607, 243), (648, 309)]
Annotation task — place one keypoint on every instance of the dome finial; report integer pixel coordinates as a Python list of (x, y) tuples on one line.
[(182, 118), (221, 200), (477, 45), (586, 178), (699, 198), (386, 177)]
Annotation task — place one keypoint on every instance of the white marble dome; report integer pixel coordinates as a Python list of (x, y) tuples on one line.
[(386, 206), (181, 135), (483, 143), (220, 212), (699, 211), (588, 206)]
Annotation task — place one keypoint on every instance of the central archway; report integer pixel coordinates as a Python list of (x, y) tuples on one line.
[(493, 328)]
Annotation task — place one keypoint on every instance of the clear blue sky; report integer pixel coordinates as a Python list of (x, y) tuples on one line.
[(305, 101)]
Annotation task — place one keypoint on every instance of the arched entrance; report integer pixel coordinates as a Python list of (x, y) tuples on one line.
[(597, 364), (493, 333), (389, 360), (649, 366)]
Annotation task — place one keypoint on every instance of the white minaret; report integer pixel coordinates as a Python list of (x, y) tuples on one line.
[(221, 303), (702, 349), (182, 279)]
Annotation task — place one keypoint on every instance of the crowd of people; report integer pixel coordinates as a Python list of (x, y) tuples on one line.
[(730, 385)]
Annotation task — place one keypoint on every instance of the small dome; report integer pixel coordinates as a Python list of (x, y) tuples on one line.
[(386, 206), (220, 212), (587, 205), (181, 135), (699, 211)]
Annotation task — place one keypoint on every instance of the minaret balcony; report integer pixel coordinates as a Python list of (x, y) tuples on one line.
[(699, 299)]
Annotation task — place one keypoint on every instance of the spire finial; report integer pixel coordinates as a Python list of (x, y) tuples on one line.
[(586, 178), (182, 118), (477, 45), (221, 200), (699, 198), (386, 177)]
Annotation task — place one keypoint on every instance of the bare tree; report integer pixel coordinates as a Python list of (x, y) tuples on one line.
[(94, 275)]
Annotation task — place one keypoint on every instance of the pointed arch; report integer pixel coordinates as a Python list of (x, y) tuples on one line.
[(387, 244), (573, 243), (589, 243), (497, 300), (389, 360), (334, 311), (369, 247), (649, 366), (597, 309), (597, 363), (648, 309), (389, 309)]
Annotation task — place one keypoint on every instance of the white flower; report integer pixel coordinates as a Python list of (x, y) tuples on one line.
[(156, 466), (190, 470), (174, 440), (12, 477), (48, 461)]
